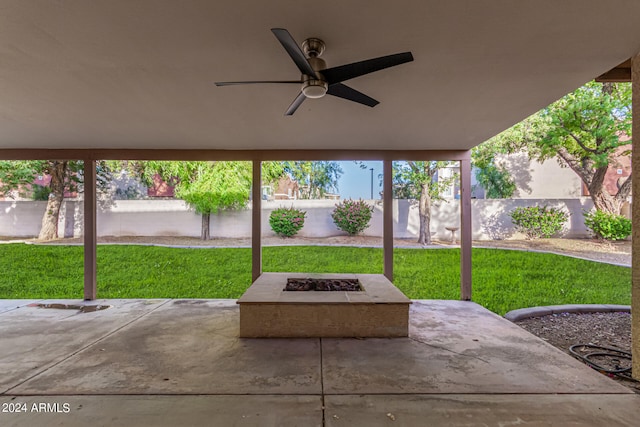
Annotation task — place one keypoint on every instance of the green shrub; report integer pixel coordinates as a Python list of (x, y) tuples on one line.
[(607, 225), (536, 222), (286, 222), (352, 216)]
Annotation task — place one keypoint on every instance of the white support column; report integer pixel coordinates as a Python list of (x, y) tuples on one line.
[(387, 218), (635, 252), (465, 229), (90, 281), (256, 221)]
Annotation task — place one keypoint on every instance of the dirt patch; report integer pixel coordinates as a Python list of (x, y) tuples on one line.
[(612, 252), (578, 247), (80, 308)]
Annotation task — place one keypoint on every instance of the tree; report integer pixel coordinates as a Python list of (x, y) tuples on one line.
[(490, 174), (419, 181), (66, 176), (318, 177), (496, 180), (208, 187), (585, 131)]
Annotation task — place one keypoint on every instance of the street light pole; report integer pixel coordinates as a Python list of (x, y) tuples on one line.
[(371, 169)]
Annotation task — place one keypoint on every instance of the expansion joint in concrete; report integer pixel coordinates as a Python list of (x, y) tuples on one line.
[(322, 383), (447, 349)]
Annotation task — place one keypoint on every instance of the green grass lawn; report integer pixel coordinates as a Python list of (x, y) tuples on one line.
[(503, 280)]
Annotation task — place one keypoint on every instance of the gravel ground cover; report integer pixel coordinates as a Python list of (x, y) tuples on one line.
[(564, 330)]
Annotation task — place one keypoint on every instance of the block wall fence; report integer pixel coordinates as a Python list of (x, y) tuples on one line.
[(21, 219)]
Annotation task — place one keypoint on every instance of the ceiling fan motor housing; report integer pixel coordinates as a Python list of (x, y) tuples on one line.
[(315, 88)]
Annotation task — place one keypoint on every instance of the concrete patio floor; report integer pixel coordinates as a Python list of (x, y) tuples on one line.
[(181, 363)]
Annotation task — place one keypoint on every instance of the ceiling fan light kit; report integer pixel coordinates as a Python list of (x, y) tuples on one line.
[(317, 80), (312, 88)]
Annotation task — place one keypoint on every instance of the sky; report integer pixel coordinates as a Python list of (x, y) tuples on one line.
[(355, 182)]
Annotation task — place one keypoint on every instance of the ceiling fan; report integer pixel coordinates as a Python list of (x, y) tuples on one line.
[(317, 80)]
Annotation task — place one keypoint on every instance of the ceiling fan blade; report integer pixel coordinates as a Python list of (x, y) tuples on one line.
[(349, 71), (257, 82), (343, 91), (295, 104), (294, 51)]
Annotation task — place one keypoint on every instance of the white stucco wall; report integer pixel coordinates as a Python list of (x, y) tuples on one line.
[(547, 180), (173, 218), (20, 219), (491, 220)]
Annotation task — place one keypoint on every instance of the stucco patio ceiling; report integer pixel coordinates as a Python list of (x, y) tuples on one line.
[(139, 74)]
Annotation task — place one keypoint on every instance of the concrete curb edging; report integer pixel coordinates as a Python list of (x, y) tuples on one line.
[(526, 313)]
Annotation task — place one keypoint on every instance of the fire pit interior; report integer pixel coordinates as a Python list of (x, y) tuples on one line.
[(324, 285)]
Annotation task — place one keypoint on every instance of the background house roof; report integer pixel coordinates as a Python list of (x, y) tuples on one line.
[(139, 74)]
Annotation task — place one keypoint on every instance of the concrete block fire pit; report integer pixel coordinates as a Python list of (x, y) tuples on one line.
[(378, 310)]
